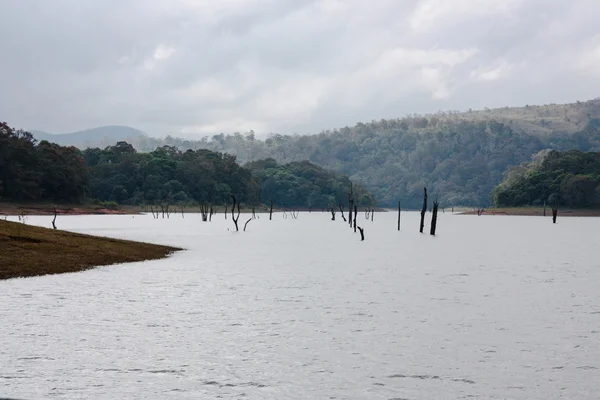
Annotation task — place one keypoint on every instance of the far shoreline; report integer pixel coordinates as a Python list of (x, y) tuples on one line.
[(533, 212)]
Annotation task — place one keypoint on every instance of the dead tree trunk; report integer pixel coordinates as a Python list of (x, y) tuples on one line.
[(372, 214), (247, 224), (211, 213), (355, 212), (54, 220), (333, 214), (225, 208), (554, 210), (233, 217), (342, 212), (253, 213), (362, 233), (204, 210), (182, 212), (434, 218), (350, 204), (423, 210), (544, 208), (271, 210), (399, 210)]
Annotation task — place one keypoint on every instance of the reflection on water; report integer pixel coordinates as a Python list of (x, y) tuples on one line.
[(493, 307)]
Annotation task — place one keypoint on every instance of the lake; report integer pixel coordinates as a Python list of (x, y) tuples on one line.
[(491, 308)]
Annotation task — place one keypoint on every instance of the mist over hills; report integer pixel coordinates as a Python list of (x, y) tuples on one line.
[(459, 156), (95, 137)]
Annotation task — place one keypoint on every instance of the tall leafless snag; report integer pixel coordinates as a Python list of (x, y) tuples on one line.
[(271, 210), (362, 233), (225, 209), (423, 210), (333, 215), (554, 210), (434, 218), (233, 217), (399, 211), (211, 213), (341, 212), (54, 220), (355, 212), (350, 204)]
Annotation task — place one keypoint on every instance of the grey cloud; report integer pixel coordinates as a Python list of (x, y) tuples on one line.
[(202, 66)]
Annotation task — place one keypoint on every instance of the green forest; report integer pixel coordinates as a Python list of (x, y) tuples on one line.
[(43, 171), (460, 158), (570, 177)]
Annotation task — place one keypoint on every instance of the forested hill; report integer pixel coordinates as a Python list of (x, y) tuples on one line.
[(571, 177), (44, 171), (460, 157)]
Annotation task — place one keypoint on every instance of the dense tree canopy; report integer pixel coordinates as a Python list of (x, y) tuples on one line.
[(303, 184), (572, 177), (48, 172), (39, 171)]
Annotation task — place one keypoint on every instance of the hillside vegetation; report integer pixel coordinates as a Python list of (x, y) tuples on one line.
[(460, 157), (571, 177)]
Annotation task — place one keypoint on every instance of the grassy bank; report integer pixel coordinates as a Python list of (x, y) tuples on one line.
[(535, 211), (62, 209), (29, 250)]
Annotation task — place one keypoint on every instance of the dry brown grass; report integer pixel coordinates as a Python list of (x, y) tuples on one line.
[(29, 250)]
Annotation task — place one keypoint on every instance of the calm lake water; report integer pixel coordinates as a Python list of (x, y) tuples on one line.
[(491, 308)]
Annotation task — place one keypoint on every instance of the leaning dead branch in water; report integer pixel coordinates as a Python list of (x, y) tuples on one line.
[(246, 224), (362, 233), (54, 219), (342, 212), (423, 210), (434, 218), (271, 210)]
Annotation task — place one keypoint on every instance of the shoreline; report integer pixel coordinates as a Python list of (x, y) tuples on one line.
[(69, 209), (27, 250), (534, 212)]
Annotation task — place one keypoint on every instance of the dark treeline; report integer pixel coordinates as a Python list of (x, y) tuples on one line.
[(39, 171), (303, 184), (571, 177), (31, 171)]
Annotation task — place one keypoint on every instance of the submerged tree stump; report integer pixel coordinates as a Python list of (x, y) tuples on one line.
[(333, 214), (423, 210), (271, 210), (362, 233), (554, 210)]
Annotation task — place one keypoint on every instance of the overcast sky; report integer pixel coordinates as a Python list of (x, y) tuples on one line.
[(289, 66)]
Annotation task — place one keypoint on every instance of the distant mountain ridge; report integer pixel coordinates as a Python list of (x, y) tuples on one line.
[(95, 137)]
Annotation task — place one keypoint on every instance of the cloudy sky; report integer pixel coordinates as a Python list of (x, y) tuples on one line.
[(196, 67)]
